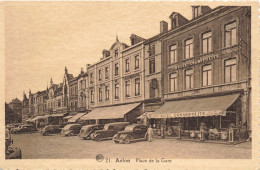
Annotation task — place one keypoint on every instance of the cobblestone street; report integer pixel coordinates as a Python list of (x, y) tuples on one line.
[(36, 146)]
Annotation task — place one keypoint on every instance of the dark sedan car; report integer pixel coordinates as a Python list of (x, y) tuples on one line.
[(131, 133), (24, 128), (87, 130), (11, 152), (109, 130), (71, 129), (51, 129)]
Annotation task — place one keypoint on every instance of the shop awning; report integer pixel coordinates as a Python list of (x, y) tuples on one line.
[(36, 118), (111, 112), (197, 107), (68, 117), (28, 120), (46, 116), (144, 115), (76, 117), (58, 115)]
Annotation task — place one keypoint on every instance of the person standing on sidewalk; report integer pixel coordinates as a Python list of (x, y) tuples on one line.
[(150, 133)]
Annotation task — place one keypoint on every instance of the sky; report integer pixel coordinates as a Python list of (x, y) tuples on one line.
[(41, 38)]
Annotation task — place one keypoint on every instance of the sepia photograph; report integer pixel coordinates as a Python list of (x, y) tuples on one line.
[(127, 82)]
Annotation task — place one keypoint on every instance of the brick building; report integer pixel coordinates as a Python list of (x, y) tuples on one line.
[(206, 69)]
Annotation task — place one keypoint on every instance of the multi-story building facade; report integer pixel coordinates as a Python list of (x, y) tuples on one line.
[(206, 68), (73, 96), (82, 91), (37, 103), (118, 78)]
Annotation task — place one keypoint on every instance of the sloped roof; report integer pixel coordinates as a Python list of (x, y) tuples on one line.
[(16, 100)]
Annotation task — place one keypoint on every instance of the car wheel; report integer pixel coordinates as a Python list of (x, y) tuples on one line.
[(127, 140), (116, 141), (98, 138)]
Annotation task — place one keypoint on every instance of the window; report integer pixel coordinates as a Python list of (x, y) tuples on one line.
[(206, 42), (189, 79), (116, 69), (116, 91), (173, 82), (152, 65), (83, 86), (59, 103), (116, 53), (137, 62), (173, 54), (189, 48), (107, 92), (92, 96), (127, 88), (153, 50), (99, 75), (127, 65), (196, 11), (91, 78), (230, 70), (106, 73), (100, 94), (137, 87), (230, 34), (206, 75)]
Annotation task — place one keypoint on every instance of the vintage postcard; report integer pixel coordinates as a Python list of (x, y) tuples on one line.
[(129, 85)]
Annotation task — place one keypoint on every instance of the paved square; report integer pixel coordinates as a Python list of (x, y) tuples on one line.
[(36, 146)]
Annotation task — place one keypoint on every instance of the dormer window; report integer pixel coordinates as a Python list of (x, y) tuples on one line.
[(195, 11), (132, 41)]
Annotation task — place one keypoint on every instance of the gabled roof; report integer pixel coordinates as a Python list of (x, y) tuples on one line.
[(16, 100)]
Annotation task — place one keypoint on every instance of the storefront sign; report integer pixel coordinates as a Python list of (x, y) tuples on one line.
[(201, 60), (132, 76), (188, 114)]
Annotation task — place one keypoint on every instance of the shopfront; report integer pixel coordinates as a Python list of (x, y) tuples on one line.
[(76, 118), (109, 114), (208, 118)]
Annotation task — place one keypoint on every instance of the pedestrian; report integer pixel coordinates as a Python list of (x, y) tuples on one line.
[(150, 133)]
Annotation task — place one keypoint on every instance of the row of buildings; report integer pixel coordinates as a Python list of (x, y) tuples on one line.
[(192, 71)]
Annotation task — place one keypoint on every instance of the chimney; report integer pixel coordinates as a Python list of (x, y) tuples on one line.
[(163, 27)]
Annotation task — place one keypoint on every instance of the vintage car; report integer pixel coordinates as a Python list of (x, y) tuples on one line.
[(131, 133), (11, 152), (71, 129), (24, 128), (51, 129), (109, 130), (87, 130)]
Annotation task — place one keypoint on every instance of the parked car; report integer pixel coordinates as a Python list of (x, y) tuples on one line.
[(24, 128), (87, 130), (109, 130), (51, 129), (131, 133), (71, 129), (9, 127), (11, 152)]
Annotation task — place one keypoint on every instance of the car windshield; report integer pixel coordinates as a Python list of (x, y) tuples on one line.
[(129, 128), (7, 135)]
